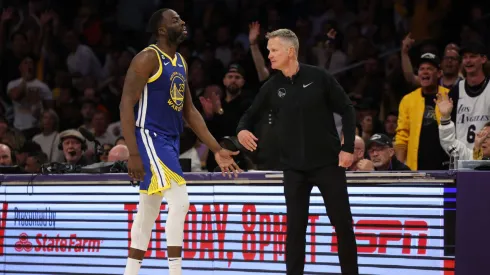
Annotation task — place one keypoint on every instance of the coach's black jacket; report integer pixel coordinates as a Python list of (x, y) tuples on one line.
[(303, 108)]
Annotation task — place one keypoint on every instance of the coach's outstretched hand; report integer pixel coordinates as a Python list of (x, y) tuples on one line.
[(345, 159), (225, 160), (247, 140)]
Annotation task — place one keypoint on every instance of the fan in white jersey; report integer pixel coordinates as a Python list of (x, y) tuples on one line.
[(472, 95)]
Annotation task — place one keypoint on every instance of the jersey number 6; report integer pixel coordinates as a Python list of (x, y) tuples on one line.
[(470, 137)]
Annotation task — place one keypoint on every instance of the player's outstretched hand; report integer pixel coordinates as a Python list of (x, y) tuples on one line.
[(135, 168), (225, 160)]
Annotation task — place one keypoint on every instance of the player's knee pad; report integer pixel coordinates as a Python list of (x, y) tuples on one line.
[(178, 206), (148, 211)]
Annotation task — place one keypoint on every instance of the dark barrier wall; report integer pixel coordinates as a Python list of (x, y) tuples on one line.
[(473, 222), (79, 224)]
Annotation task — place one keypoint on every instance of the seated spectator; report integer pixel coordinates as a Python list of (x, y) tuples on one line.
[(484, 152), (118, 153), (6, 157), (106, 149), (34, 162), (73, 144), (99, 126), (22, 154), (359, 150), (382, 156), (120, 141)]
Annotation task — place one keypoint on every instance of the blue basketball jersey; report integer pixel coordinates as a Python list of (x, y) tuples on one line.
[(162, 100), (159, 123)]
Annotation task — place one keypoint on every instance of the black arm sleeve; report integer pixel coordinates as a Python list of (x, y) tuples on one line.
[(454, 95), (340, 103), (252, 115)]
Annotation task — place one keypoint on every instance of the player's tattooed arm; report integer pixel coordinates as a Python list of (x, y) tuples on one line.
[(142, 67), (196, 122)]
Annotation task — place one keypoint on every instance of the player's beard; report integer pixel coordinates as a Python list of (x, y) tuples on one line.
[(176, 37)]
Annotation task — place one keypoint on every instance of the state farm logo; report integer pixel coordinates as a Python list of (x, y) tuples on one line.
[(45, 243), (23, 243)]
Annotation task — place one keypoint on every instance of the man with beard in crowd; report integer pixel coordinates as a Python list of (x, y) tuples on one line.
[(222, 113)]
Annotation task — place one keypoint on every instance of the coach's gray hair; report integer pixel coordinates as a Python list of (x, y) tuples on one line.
[(286, 34)]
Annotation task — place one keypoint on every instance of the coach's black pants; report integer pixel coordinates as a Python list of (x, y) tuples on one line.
[(331, 181)]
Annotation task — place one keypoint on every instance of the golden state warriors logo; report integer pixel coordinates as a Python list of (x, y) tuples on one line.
[(177, 90)]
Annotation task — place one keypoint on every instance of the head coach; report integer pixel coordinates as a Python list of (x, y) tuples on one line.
[(304, 99)]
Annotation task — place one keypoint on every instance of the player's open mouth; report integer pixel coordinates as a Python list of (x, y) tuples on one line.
[(425, 78)]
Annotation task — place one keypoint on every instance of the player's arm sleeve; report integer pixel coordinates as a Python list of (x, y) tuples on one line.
[(253, 113), (454, 95), (340, 103), (402, 130)]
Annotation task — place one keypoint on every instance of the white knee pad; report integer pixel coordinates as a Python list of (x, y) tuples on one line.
[(178, 205), (148, 211)]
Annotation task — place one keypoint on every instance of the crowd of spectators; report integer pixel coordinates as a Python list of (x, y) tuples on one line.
[(63, 66)]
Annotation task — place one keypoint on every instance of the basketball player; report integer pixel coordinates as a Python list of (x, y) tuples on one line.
[(472, 95), (155, 100)]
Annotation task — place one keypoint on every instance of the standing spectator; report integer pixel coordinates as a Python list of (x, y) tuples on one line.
[(450, 65), (223, 50), (81, 61), (390, 125), (12, 57), (48, 139), (472, 96), (447, 132), (417, 135), (28, 94)]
